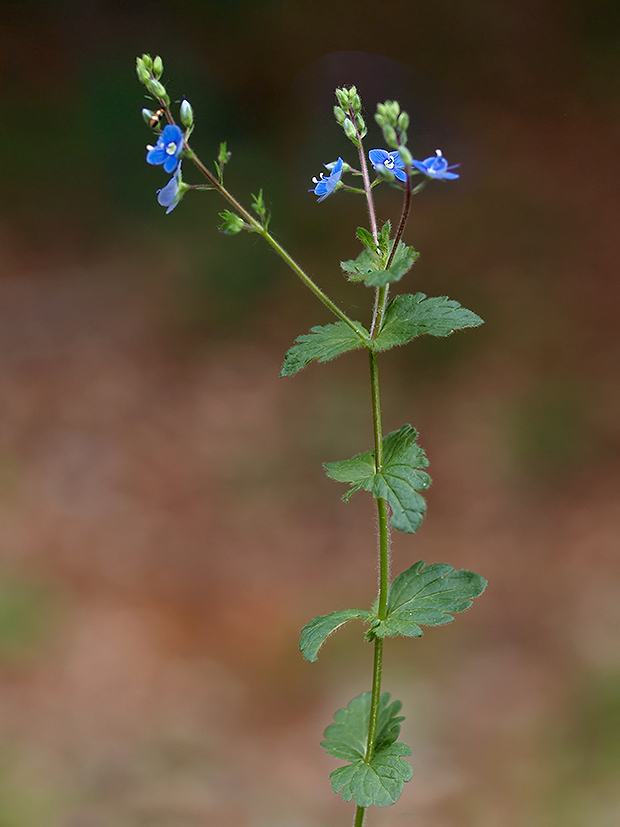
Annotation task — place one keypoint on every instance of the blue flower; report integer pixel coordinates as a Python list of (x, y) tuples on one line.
[(390, 160), (325, 186), (167, 149), (168, 196), (436, 166)]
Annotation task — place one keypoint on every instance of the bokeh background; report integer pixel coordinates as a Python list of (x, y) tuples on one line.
[(166, 525)]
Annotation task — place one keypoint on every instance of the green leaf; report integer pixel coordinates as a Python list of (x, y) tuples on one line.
[(413, 315), (370, 267), (384, 237), (403, 261), (398, 481), (427, 596), (348, 737), (314, 633), (323, 343), (356, 269), (366, 238), (380, 780)]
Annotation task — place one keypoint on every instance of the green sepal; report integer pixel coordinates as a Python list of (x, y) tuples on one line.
[(426, 596), (380, 780), (412, 314), (314, 633), (323, 343), (232, 223), (398, 481)]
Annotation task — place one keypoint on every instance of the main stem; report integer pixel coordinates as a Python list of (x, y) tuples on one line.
[(384, 573)]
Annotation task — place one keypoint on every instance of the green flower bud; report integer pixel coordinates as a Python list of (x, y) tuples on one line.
[(158, 67), (356, 102), (157, 89), (147, 114), (147, 60), (233, 223), (403, 121), (343, 98), (187, 114), (405, 155), (349, 129), (339, 114), (389, 135), (142, 72)]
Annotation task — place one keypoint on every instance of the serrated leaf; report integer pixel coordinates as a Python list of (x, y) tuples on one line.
[(323, 343), (428, 596), (348, 736), (370, 268), (412, 315), (379, 782), (398, 481), (356, 269), (403, 261), (314, 633)]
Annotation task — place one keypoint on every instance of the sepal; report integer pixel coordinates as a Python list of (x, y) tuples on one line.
[(232, 223)]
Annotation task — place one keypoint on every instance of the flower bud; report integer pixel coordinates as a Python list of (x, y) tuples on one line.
[(389, 134), (233, 223), (343, 98), (147, 60), (403, 121), (187, 114), (405, 155), (157, 89), (158, 67), (142, 71), (147, 114), (356, 102), (349, 129), (339, 114)]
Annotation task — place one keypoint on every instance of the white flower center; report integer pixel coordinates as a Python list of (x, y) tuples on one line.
[(171, 148), (389, 162)]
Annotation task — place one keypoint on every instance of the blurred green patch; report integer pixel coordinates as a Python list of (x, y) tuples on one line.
[(29, 613)]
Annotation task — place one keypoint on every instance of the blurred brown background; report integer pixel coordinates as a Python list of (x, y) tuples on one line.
[(166, 525)]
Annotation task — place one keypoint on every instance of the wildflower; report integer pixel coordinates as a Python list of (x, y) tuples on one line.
[(167, 149), (390, 160), (436, 166), (325, 186), (170, 195)]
